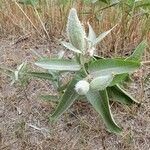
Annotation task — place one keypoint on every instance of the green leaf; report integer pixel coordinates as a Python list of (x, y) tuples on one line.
[(135, 56), (59, 64), (139, 51), (42, 75), (118, 79), (75, 31), (100, 83), (71, 47), (91, 35), (21, 67), (21, 70), (116, 93), (66, 100), (49, 98), (104, 67), (102, 36), (100, 102)]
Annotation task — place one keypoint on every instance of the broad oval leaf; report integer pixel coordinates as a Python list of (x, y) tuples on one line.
[(75, 31), (59, 65), (71, 47), (100, 83), (100, 102), (137, 54), (104, 67), (116, 93)]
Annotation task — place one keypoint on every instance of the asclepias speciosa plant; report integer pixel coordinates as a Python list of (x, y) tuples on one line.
[(96, 78)]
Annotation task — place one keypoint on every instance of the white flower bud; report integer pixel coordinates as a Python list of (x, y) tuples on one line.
[(92, 51), (82, 87)]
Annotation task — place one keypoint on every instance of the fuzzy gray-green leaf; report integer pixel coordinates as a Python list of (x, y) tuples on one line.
[(116, 93), (101, 37), (100, 102), (59, 65), (71, 47), (66, 100), (100, 83), (103, 67), (75, 31), (21, 70), (91, 35)]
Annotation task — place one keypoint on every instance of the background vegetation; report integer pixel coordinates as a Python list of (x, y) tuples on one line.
[(48, 18)]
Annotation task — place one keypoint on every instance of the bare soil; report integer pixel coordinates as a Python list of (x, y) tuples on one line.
[(24, 118)]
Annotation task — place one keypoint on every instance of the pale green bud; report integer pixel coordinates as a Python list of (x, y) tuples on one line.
[(82, 87)]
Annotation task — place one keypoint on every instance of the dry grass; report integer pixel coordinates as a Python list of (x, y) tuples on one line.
[(49, 18)]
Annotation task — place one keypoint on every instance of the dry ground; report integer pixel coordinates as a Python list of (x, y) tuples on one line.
[(24, 118)]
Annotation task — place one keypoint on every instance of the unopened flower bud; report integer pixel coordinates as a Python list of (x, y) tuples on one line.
[(92, 51), (82, 87)]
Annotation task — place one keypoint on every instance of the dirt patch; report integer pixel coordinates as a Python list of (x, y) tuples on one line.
[(24, 118)]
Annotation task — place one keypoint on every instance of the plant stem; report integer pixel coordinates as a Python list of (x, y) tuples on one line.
[(85, 69), (83, 64)]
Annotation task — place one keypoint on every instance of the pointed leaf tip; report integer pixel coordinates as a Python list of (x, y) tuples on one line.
[(66, 100), (100, 102), (75, 30), (71, 47)]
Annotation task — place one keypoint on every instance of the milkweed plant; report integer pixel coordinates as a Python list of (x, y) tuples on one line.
[(98, 79), (95, 78)]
